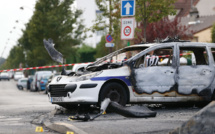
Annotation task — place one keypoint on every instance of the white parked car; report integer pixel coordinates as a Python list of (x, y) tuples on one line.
[(37, 78), (18, 75), (4, 76), (22, 83)]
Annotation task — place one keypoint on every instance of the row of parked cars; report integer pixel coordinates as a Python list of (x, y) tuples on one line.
[(11, 75), (36, 82)]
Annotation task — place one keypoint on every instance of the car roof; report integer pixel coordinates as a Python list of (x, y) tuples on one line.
[(148, 45), (184, 43)]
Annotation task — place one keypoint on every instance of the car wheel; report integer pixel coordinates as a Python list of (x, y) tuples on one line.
[(115, 91), (213, 96), (20, 87)]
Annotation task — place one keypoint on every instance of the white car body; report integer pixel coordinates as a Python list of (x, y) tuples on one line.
[(18, 75), (22, 83), (5, 76), (89, 95)]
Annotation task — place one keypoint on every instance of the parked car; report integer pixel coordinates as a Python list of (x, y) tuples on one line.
[(22, 83), (30, 79), (11, 74), (37, 78), (4, 76), (18, 75), (141, 78), (43, 81)]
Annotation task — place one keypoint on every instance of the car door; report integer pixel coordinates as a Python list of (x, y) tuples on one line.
[(155, 80), (195, 72)]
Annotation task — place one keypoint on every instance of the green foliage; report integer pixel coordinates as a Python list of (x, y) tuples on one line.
[(148, 11), (86, 54), (101, 50), (2, 60), (15, 57), (51, 19), (111, 12), (154, 10), (213, 34)]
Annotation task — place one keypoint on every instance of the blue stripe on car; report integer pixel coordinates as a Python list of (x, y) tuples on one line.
[(123, 78)]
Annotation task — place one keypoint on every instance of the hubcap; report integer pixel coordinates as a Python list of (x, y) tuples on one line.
[(114, 95)]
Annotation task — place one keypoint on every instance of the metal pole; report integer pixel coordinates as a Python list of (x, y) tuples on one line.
[(110, 25), (144, 4)]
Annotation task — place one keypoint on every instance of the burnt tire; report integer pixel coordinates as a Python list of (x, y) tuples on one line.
[(115, 91)]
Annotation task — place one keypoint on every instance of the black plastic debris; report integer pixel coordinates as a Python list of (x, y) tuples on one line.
[(132, 111), (55, 55)]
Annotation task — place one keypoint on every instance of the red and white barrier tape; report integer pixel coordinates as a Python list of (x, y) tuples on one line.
[(65, 65), (42, 67)]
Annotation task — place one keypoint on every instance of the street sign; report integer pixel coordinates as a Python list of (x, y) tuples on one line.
[(109, 44), (127, 28), (108, 38), (127, 7)]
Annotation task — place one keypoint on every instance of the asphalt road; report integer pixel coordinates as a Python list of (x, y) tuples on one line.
[(166, 120), (19, 107)]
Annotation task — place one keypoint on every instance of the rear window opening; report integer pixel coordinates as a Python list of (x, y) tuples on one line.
[(193, 56)]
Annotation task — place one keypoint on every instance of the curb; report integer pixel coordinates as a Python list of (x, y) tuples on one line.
[(60, 127), (63, 127)]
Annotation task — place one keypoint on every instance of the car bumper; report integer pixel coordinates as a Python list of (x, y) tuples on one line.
[(4, 78), (75, 92)]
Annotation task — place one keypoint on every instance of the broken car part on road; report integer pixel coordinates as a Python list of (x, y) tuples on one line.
[(132, 111)]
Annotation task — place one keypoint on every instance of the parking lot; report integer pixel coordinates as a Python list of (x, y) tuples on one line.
[(20, 107)]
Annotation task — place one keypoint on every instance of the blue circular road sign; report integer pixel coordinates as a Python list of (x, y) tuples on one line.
[(109, 39)]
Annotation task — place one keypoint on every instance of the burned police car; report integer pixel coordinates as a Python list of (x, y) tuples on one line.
[(170, 71)]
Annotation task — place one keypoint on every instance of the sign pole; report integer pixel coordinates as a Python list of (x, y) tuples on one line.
[(110, 26), (128, 43)]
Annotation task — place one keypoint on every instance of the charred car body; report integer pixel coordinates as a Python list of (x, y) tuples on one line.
[(133, 81)]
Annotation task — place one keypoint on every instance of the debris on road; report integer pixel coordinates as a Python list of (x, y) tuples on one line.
[(131, 111)]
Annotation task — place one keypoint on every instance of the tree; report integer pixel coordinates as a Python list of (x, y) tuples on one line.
[(148, 11), (51, 19), (2, 60), (110, 11), (15, 58), (213, 34), (162, 29), (86, 54), (101, 50)]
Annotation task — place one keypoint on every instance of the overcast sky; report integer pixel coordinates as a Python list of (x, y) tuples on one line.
[(10, 31)]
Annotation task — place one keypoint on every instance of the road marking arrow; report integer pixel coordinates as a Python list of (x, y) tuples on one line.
[(127, 6)]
